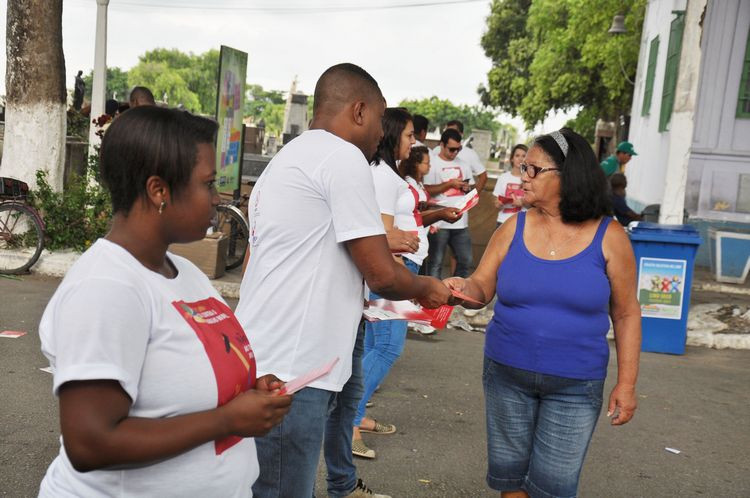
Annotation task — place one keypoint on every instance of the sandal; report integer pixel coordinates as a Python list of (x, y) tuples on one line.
[(380, 428), (360, 449)]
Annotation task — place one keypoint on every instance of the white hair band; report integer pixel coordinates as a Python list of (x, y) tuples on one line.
[(561, 142)]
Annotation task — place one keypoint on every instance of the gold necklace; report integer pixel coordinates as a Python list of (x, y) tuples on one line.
[(554, 250)]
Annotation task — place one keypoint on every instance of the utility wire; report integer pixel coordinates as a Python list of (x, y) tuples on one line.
[(327, 9)]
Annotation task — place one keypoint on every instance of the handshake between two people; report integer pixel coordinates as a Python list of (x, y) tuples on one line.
[(451, 291)]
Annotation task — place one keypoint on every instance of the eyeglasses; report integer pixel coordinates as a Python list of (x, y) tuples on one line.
[(453, 150), (532, 170)]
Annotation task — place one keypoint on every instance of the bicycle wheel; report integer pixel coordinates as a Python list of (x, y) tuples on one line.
[(232, 223), (21, 238)]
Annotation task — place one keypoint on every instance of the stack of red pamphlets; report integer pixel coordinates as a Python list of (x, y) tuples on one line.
[(383, 309)]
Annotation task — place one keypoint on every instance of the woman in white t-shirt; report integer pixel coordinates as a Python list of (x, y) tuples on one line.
[(413, 169), (508, 192), (155, 376), (398, 206)]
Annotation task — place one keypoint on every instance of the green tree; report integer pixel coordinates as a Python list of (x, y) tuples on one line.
[(440, 111), (185, 78), (266, 105), (117, 84), (556, 55)]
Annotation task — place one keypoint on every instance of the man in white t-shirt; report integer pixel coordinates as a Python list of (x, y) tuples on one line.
[(449, 178), (470, 157), (316, 232), (421, 124)]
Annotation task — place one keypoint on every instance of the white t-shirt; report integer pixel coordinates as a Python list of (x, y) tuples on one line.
[(441, 171), (424, 243), (112, 318), (508, 186), (470, 157), (301, 296), (396, 199)]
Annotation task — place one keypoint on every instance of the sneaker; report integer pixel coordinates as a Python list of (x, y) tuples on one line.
[(423, 329), (470, 313), (360, 490), (360, 449)]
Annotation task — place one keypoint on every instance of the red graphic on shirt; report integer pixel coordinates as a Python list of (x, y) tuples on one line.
[(449, 173), (227, 349), (512, 191)]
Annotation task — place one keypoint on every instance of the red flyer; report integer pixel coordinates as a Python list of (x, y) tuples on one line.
[(464, 203), (383, 309), (12, 334), (464, 297)]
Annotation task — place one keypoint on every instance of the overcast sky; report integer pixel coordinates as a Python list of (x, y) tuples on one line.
[(413, 52)]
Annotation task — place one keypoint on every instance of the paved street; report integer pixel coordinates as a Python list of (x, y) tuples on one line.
[(696, 403)]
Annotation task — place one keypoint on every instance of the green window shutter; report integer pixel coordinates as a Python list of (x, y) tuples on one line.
[(743, 101), (650, 72), (671, 69)]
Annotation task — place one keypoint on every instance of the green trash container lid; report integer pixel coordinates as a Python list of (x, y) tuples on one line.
[(655, 232)]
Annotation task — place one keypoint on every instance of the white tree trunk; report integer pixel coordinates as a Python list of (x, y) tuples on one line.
[(35, 116)]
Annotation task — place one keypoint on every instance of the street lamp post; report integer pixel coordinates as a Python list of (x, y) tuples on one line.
[(99, 83), (618, 28)]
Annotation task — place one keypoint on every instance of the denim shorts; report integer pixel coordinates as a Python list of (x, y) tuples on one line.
[(538, 429)]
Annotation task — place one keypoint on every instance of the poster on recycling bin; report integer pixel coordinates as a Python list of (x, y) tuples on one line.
[(661, 285)]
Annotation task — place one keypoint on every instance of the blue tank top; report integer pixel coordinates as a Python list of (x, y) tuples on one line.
[(552, 316)]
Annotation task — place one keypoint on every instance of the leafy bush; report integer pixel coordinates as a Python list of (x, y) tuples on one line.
[(74, 218), (78, 124)]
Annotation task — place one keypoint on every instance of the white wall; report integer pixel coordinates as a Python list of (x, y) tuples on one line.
[(721, 141), (646, 171)]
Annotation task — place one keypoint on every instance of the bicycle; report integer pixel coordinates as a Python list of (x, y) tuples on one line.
[(21, 229), (233, 224)]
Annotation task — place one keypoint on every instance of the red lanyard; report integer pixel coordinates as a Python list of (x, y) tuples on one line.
[(417, 214)]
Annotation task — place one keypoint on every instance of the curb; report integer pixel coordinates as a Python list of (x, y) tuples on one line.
[(56, 264), (727, 289)]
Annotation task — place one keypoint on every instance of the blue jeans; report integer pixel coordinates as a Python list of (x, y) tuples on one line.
[(538, 429), (342, 474), (459, 241), (288, 454), (384, 342)]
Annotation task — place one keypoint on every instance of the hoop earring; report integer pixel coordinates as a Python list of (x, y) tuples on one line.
[(162, 206)]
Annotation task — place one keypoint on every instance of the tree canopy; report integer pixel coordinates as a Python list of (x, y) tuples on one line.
[(440, 111), (267, 106), (117, 84), (556, 55), (185, 79)]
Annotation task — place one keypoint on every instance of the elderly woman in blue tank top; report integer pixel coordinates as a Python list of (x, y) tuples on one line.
[(560, 271)]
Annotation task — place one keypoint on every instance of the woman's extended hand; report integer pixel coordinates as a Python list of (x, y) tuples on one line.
[(622, 404), (255, 412), (455, 283)]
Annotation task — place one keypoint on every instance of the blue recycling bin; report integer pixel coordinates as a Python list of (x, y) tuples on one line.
[(664, 257)]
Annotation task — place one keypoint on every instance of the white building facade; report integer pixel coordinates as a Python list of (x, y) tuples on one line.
[(690, 120)]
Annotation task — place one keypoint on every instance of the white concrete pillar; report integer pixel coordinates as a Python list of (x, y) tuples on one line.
[(99, 83), (681, 123)]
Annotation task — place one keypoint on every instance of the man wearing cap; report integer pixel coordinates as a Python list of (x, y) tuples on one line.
[(617, 162)]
